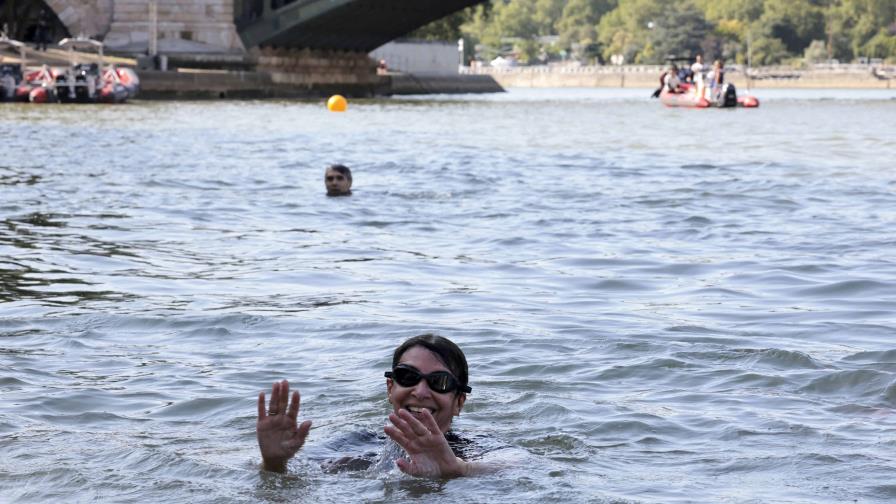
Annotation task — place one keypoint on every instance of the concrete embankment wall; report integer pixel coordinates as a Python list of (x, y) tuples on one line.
[(543, 79), (210, 84), (409, 84), (206, 84), (647, 77)]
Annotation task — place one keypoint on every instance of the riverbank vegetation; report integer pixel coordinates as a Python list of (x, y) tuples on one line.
[(758, 32)]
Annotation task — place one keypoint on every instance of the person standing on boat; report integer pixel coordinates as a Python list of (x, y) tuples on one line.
[(42, 32), (716, 77), (697, 76)]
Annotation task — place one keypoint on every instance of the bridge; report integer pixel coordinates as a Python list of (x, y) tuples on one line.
[(288, 46), (353, 25), (230, 25)]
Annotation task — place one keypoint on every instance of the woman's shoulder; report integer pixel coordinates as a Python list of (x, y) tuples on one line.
[(353, 451), (362, 449), (471, 447)]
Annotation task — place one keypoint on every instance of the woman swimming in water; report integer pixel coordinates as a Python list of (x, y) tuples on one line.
[(427, 388)]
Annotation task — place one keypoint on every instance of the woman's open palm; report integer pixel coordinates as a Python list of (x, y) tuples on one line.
[(279, 434)]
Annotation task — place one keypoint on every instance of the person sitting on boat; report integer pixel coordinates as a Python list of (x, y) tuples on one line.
[(427, 387), (671, 80), (697, 76), (338, 180), (659, 90)]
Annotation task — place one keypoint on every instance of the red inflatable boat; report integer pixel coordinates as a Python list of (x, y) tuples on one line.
[(724, 98)]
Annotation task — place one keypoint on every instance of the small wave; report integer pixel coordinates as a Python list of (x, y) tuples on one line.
[(691, 329), (889, 393), (554, 444), (41, 220), (848, 287), (618, 285), (653, 368), (195, 408), (700, 166), (888, 356), (697, 220), (861, 382), (784, 359), (91, 418), (753, 380), (9, 381), (885, 491)]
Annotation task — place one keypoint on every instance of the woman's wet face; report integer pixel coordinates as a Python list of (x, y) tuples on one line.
[(442, 406)]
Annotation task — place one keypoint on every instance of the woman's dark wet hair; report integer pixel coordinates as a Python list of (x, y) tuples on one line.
[(344, 170), (450, 354)]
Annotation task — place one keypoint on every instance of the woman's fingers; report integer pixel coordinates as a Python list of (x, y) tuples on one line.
[(402, 422), (429, 422), (280, 401), (298, 439), (275, 398), (284, 398), (261, 412), (303, 431), (415, 425), (395, 432), (294, 406), (404, 466)]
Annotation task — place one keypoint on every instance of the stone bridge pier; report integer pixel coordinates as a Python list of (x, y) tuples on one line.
[(87, 17), (193, 26)]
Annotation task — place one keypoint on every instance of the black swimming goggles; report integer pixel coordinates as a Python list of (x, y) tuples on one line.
[(442, 382)]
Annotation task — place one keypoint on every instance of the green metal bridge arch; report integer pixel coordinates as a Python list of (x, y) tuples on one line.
[(351, 25)]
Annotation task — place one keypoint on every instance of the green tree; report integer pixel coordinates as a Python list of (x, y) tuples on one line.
[(646, 30), (732, 31), (858, 22), (882, 45), (796, 23), (577, 24), (681, 33), (625, 30), (765, 48), (447, 28), (816, 52), (745, 11), (547, 12)]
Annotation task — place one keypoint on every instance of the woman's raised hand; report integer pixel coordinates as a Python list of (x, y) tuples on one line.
[(279, 435), (429, 454)]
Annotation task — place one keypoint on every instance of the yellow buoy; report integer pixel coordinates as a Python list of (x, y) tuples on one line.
[(337, 103)]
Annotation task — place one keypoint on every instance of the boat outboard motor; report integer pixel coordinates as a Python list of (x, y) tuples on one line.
[(79, 83), (88, 73), (728, 97)]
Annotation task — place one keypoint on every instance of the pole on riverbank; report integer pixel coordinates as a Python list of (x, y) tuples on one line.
[(153, 28), (749, 60)]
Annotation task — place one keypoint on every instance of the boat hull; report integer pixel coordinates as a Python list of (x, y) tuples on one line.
[(685, 99), (725, 97)]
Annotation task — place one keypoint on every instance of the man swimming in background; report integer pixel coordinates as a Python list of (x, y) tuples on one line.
[(338, 180), (427, 387)]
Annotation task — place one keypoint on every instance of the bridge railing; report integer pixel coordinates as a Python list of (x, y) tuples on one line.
[(779, 70), (561, 69)]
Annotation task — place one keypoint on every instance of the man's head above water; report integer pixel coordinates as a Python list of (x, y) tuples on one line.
[(338, 180)]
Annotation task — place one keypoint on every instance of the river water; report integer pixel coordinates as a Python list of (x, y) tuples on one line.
[(658, 305)]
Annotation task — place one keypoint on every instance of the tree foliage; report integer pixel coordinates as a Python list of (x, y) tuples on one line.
[(646, 31)]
